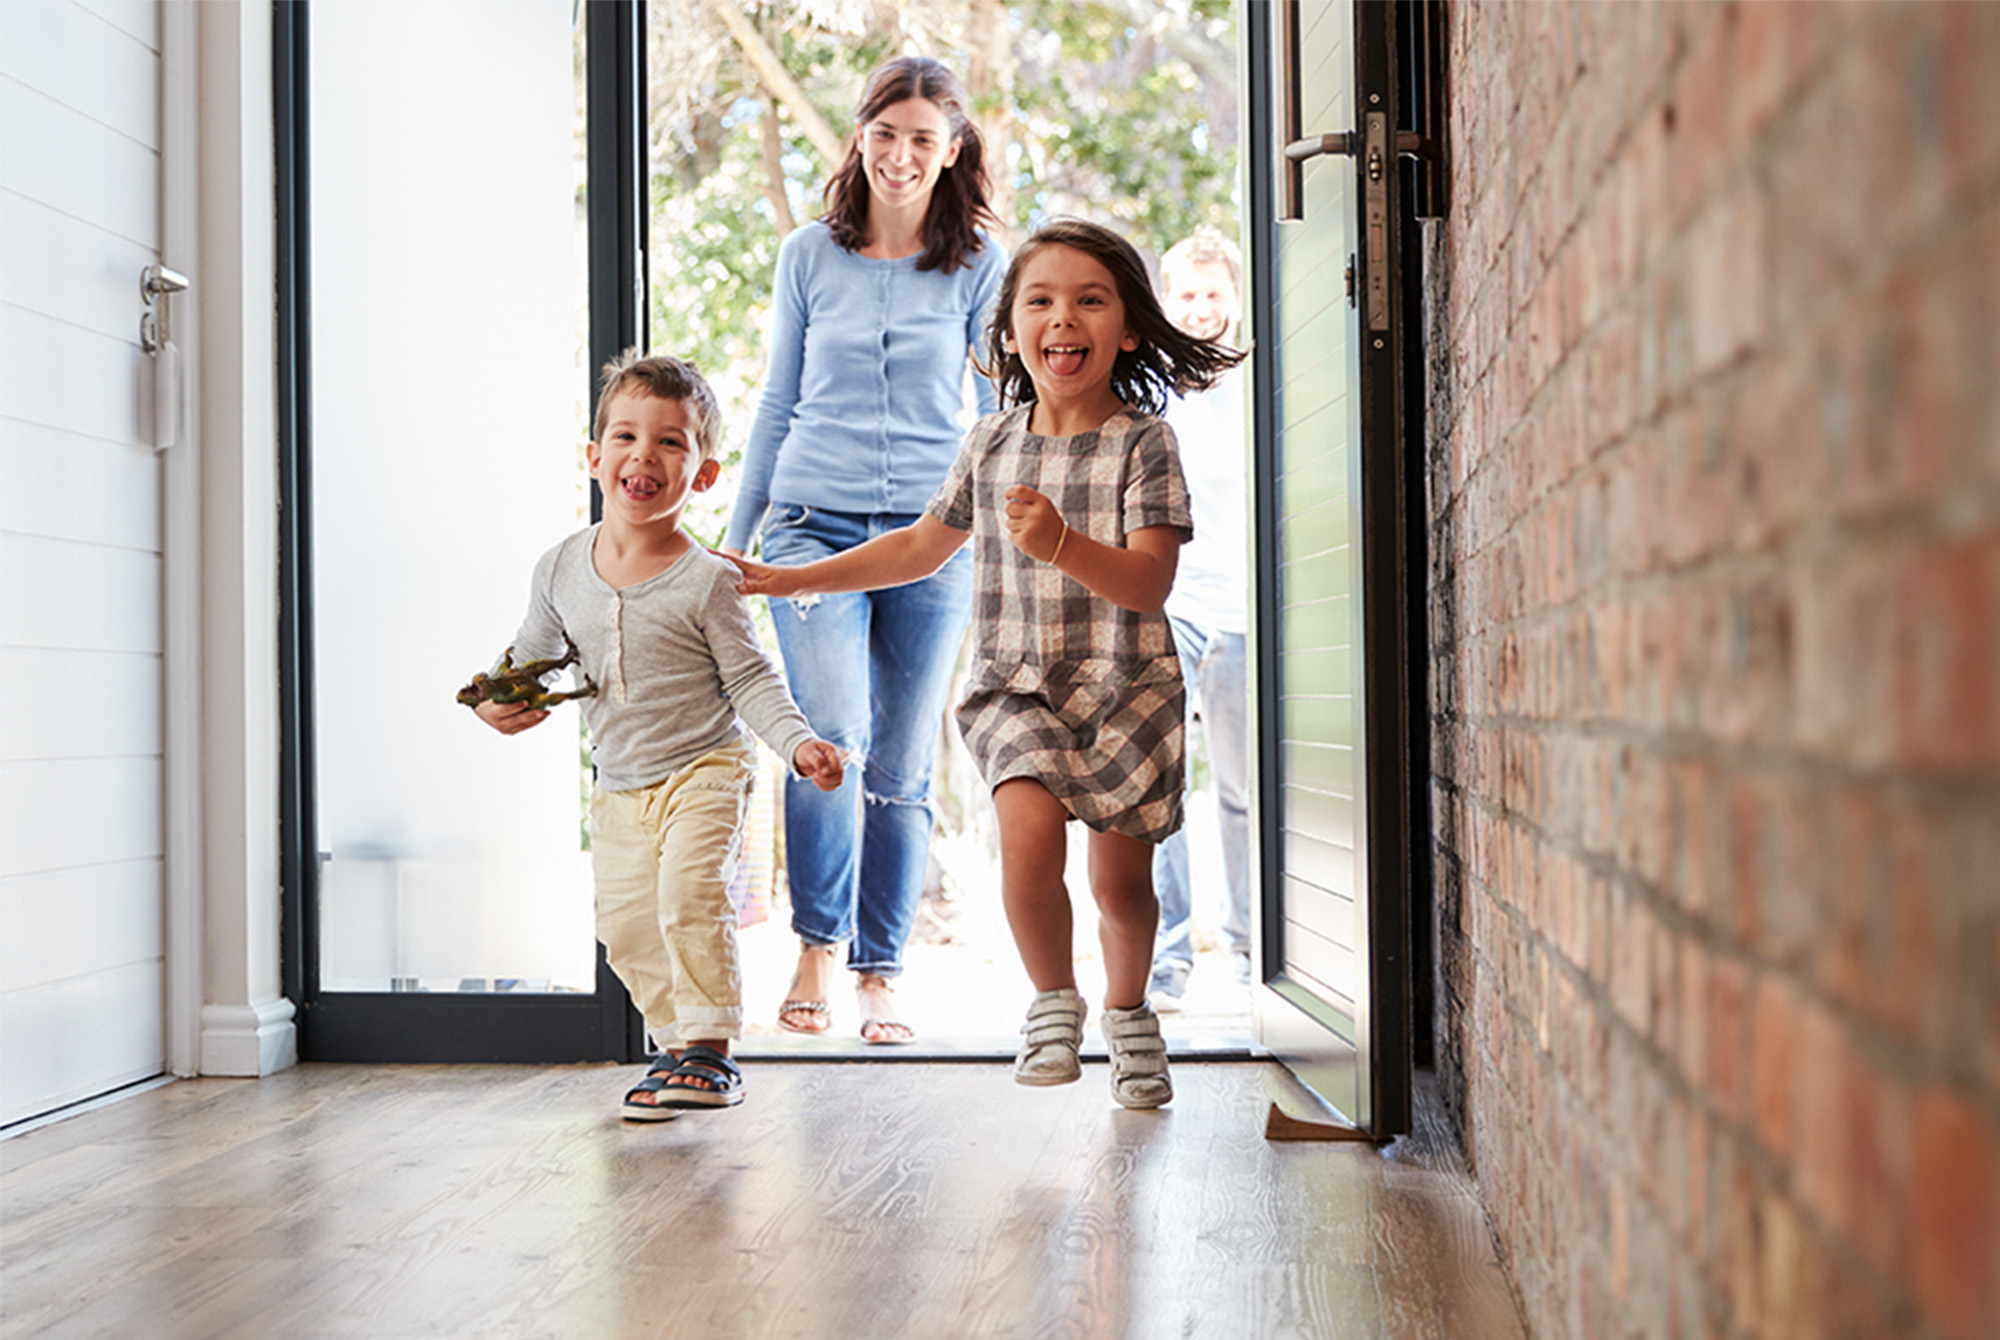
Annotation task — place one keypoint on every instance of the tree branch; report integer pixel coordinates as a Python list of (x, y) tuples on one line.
[(774, 170), (780, 84)]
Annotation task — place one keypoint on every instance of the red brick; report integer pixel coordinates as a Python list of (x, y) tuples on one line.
[(1821, 1172), (1727, 299), (1967, 35), (1880, 1164), (1781, 1270), (1729, 1040), (1944, 673), (1775, 1045), (1957, 1214)]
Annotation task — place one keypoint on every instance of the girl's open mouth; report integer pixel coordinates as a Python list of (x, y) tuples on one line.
[(1064, 360)]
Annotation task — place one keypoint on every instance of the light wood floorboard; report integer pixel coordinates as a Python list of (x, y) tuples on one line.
[(841, 1200)]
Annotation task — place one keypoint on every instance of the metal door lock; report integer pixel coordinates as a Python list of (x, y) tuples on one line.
[(156, 282)]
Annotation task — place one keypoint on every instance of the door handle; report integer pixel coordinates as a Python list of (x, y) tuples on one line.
[(1298, 151)]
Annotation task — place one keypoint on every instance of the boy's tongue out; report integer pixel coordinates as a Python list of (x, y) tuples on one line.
[(638, 486), (1064, 360)]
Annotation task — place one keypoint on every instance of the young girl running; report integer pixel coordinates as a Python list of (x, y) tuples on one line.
[(1077, 510)]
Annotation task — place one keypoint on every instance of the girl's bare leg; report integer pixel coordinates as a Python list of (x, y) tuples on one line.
[(1031, 881), (1128, 915)]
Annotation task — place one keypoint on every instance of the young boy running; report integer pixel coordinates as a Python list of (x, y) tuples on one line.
[(659, 629)]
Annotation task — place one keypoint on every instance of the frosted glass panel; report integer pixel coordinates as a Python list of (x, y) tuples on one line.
[(449, 386)]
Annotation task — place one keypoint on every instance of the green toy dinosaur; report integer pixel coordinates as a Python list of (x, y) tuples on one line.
[(510, 683)]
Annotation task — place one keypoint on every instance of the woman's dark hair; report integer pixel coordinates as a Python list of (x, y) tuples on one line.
[(1167, 359), (958, 203)]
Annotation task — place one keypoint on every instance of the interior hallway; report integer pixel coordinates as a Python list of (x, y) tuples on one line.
[(930, 1200)]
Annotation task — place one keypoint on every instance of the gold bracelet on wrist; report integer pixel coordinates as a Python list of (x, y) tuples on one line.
[(1059, 544)]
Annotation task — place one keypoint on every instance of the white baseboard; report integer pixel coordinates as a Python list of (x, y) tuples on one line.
[(249, 1040)]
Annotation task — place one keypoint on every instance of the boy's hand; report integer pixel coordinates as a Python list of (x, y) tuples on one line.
[(818, 762), (510, 718), (762, 579), (1033, 523)]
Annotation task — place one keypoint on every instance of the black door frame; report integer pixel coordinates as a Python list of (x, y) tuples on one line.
[(406, 1026)]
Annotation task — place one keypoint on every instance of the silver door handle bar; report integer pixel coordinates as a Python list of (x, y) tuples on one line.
[(1347, 142)]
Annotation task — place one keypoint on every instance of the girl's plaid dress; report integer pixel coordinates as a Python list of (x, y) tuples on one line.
[(1066, 687)]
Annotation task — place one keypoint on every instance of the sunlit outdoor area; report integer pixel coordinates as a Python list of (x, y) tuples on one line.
[(1124, 113)]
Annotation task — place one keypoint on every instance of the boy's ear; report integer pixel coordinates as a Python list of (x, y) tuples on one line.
[(706, 476), (590, 454)]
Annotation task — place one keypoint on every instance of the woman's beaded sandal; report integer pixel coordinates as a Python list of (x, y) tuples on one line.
[(810, 1015), (649, 1107), (1050, 1039), (1138, 1057)]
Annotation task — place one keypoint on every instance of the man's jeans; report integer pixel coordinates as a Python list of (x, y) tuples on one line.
[(870, 670), (1215, 666)]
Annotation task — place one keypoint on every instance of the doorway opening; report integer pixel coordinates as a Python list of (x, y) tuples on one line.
[(1126, 114)]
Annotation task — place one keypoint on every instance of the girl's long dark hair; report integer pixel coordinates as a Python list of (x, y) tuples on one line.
[(1167, 359), (958, 203)]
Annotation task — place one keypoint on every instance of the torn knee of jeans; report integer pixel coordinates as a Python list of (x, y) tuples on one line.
[(801, 605), (875, 798)]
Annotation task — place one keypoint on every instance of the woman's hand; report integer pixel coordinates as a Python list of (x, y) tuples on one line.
[(819, 763), (510, 718), (1034, 525)]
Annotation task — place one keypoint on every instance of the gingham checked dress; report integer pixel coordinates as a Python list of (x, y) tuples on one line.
[(1066, 687)]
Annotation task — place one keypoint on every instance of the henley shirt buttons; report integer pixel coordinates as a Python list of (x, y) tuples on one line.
[(617, 654)]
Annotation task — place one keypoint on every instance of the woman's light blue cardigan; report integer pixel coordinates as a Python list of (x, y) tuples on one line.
[(864, 395)]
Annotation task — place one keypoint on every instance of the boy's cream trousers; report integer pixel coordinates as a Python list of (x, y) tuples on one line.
[(663, 856)]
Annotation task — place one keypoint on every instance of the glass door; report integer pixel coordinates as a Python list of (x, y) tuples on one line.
[(441, 319), (1331, 643)]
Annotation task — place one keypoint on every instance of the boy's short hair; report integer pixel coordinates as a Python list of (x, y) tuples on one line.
[(1205, 246), (663, 377)]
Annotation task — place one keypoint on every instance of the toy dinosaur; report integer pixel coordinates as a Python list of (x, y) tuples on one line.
[(511, 683)]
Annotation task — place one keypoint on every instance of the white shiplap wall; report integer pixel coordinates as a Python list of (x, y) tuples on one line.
[(81, 922)]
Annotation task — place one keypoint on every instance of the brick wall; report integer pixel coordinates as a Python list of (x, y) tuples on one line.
[(1715, 490)]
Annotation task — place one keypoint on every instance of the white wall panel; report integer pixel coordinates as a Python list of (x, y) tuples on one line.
[(81, 828), (84, 705), (81, 60), (65, 486), (60, 375), (71, 923), (80, 274), (77, 1038), (42, 142), (135, 18), (77, 813), (78, 597)]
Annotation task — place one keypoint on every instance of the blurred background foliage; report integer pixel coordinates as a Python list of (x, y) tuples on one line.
[(1123, 111)]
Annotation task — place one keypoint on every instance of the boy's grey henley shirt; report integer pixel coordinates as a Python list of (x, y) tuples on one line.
[(675, 658)]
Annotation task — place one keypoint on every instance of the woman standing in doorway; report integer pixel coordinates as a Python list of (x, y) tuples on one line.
[(877, 305)]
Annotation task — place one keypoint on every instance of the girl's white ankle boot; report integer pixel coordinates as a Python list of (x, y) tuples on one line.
[(1138, 1057), (1050, 1039)]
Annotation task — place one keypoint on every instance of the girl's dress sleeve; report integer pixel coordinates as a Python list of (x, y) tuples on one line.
[(953, 502), (1155, 490), (781, 397)]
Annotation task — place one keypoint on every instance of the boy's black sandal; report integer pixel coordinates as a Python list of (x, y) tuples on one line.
[(636, 1109), (709, 1066)]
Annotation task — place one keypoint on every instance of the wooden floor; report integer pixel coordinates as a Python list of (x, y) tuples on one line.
[(842, 1200)]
